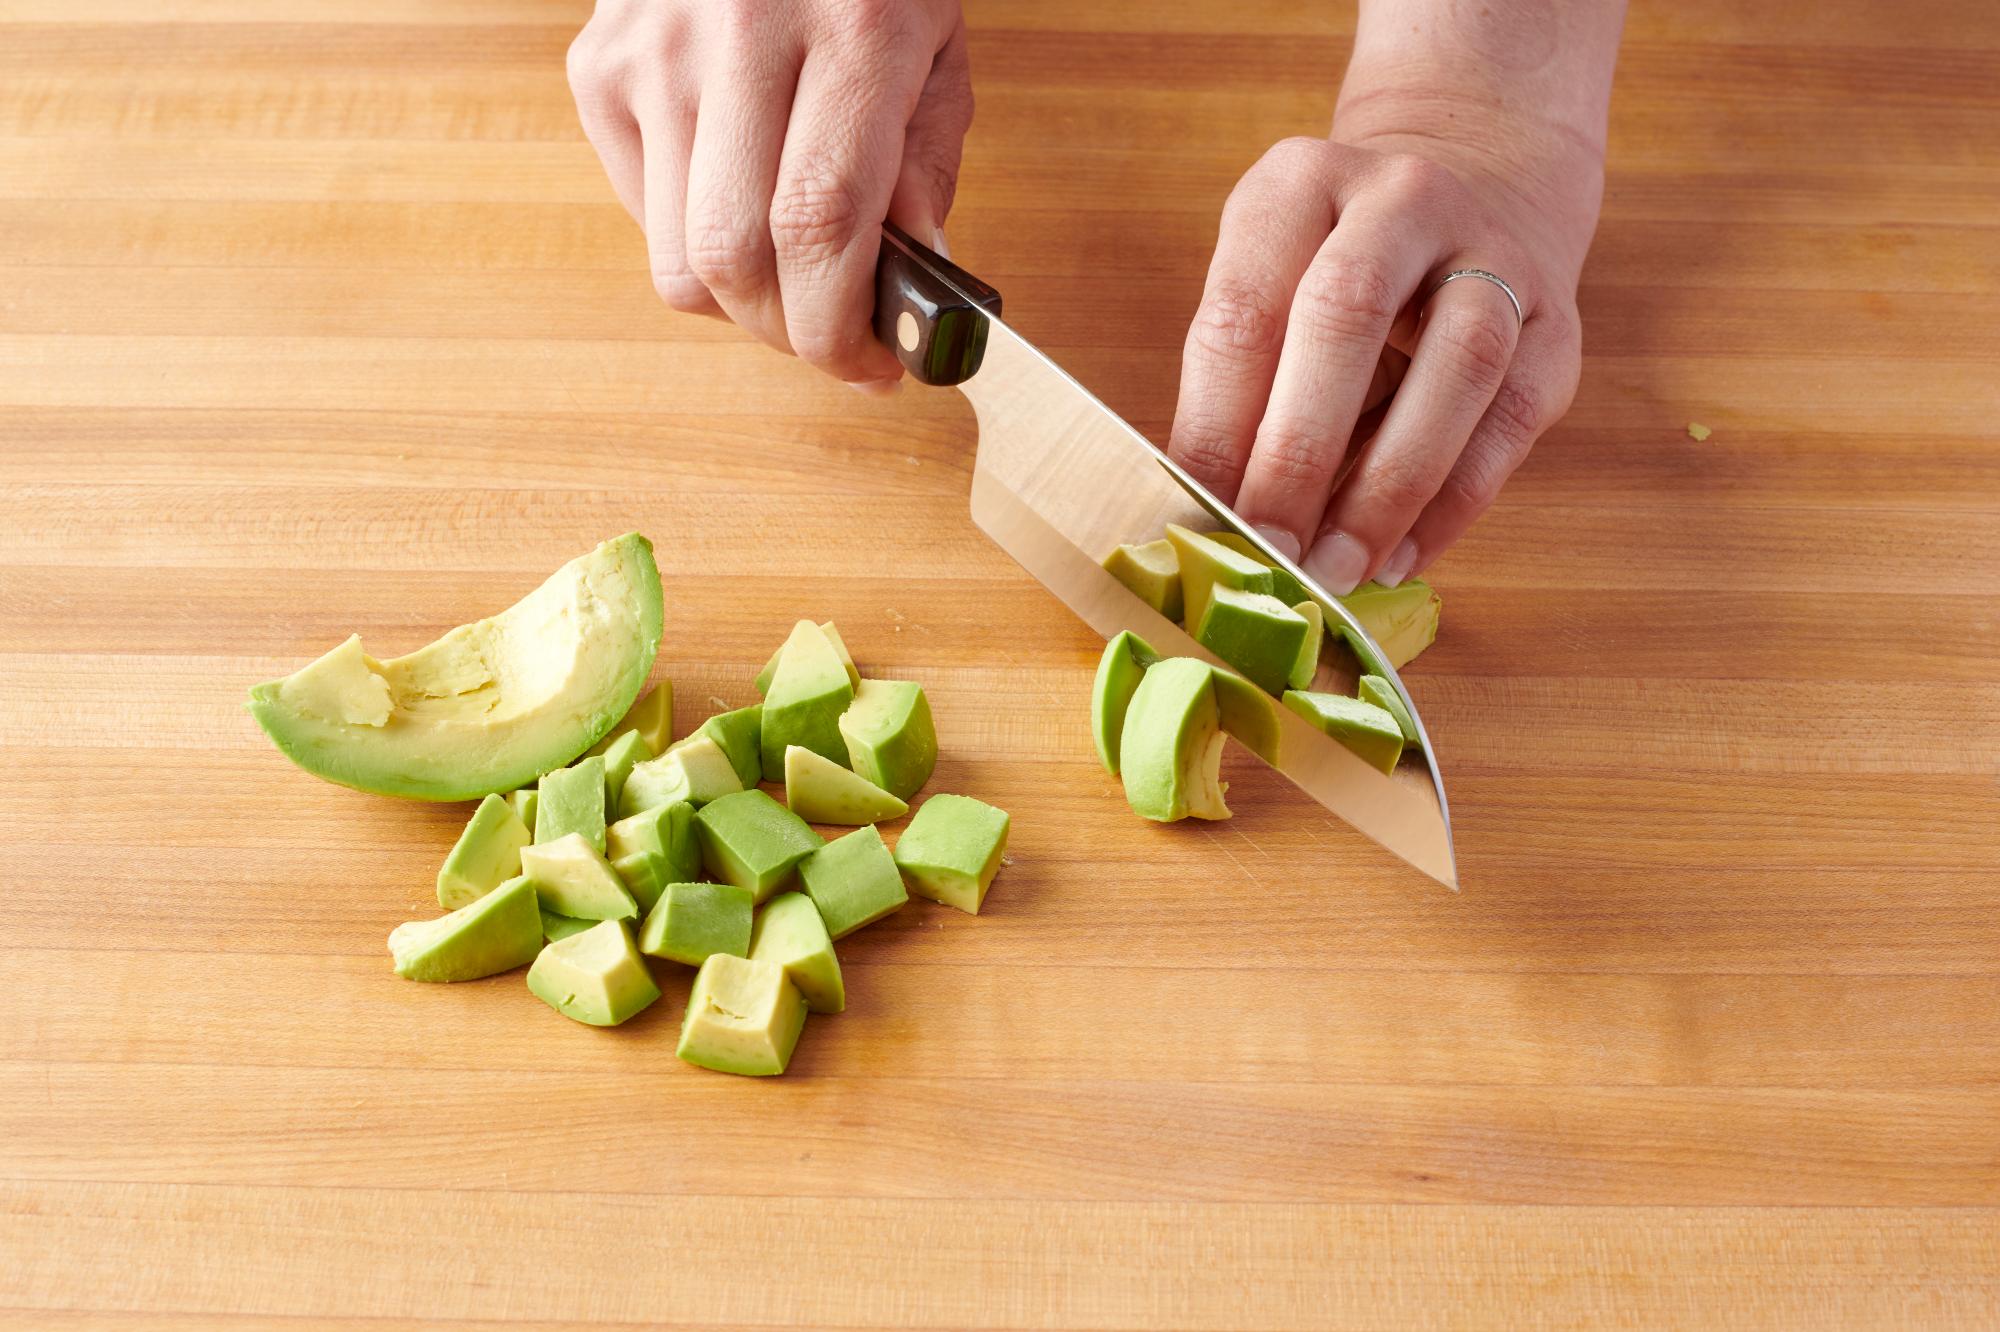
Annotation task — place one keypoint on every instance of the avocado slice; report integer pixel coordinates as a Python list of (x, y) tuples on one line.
[(490, 705), (1403, 619), (572, 801), (573, 879), (1369, 731), (595, 976), (487, 854), (555, 927), (495, 932), (789, 931), (525, 800), (889, 735), (763, 681), (625, 753), (651, 719), (1153, 573), (693, 920), (1377, 690), (752, 841), (1206, 565), (1283, 586), (1257, 634), (1170, 755), (807, 695), (654, 848), (853, 881), (820, 791), (695, 770), (739, 734), (1249, 716), (1307, 664), (742, 1017), (1119, 670), (952, 849)]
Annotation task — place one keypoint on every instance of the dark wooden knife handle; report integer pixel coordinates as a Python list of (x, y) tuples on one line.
[(936, 327)]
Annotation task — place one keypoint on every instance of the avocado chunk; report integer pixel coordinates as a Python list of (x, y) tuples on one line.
[(752, 841), (573, 879), (654, 848), (490, 705), (889, 735), (821, 791), (1283, 586), (1259, 635), (1369, 731), (1248, 715), (952, 849), (556, 927), (651, 719), (1403, 619), (739, 734), (1377, 690), (1171, 751), (1153, 573), (763, 681), (807, 695), (695, 770), (595, 976), (693, 920), (742, 1017), (488, 853), (525, 800), (626, 752), (572, 801), (1119, 670), (789, 931), (495, 932), (1207, 565), (1307, 664), (853, 881)]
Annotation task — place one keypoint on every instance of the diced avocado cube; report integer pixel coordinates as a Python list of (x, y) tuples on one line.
[(1403, 619), (807, 695), (574, 879), (952, 849), (488, 853), (742, 1017), (525, 801), (1153, 572), (752, 841), (654, 848), (1306, 666), (853, 881), (1119, 671), (556, 927), (495, 932), (692, 920), (1206, 565), (821, 791), (595, 976), (1377, 690), (740, 734), (1249, 716), (1369, 731), (889, 735), (789, 931), (695, 771), (572, 801), (1283, 586), (651, 719), (1170, 754), (763, 681), (627, 751), (1259, 635)]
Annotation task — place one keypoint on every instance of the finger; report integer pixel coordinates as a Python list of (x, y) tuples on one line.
[(1534, 395), (932, 145), (666, 133), (1335, 343), (615, 137), (1463, 350)]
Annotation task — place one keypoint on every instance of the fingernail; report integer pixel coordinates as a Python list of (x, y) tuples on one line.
[(1281, 541), (1337, 562), (1397, 567), (938, 242), (878, 388)]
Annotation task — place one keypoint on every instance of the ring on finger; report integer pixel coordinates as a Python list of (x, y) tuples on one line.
[(1484, 276)]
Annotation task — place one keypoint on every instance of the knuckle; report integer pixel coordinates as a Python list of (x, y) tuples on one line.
[(814, 213), (1294, 156), (1475, 482), (1518, 412), (1478, 345), (1411, 177), (1208, 455), (1236, 321), (1348, 295), (725, 254), (682, 291), (1403, 487), (1296, 454)]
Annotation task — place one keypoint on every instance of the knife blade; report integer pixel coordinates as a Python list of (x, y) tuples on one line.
[(1060, 480)]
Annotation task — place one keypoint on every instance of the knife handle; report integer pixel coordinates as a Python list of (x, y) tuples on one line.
[(929, 311)]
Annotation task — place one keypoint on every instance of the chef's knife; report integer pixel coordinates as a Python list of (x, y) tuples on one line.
[(1059, 481)]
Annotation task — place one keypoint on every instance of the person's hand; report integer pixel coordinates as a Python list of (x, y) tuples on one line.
[(761, 145)]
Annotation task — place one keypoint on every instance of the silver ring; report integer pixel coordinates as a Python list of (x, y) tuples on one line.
[(1484, 276)]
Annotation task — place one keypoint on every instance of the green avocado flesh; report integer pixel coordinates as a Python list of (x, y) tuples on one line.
[(1249, 716), (789, 931), (739, 734), (496, 932), (752, 841), (651, 719), (1259, 635), (1283, 586), (889, 735), (492, 704), (574, 879), (1170, 754), (1306, 665), (821, 791), (1153, 573), (695, 770), (654, 848), (742, 1017), (526, 801), (1403, 619), (693, 920), (807, 695), (1369, 731), (763, 681), (1374, 689), (952, 849), (1206, 565), (596, 976), (556, 927), (853, 881), (1119, 671), (625, 753), (488, 853), (572, 801)]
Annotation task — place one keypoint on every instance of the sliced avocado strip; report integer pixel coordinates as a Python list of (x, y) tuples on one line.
[(488, 853), (853, 881), (1125, 660), (693, 920), (742, 1017), (627, 751), (1403, 619), (596, 976), (490, 705), (1249, 715), (1170, 755), (1257, 634), (574, 879), (1369, 731), (739, 734), (1377, 690), (572, 801), (807, 695), (1206, 565), (889, 735), (763, 681), (1153, 573), (1283, 586), (695, 771), (789, 931), (952, 849), (525, 800), (556, 927), (820, 791), (752, 841), (1307, 664), (496, 932)]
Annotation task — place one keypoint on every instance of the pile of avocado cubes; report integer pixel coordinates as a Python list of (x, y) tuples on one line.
[(646, 848)]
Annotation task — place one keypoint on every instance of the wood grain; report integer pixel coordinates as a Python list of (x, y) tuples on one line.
[(320, 317)]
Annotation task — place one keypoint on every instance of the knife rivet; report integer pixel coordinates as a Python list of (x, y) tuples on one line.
[(906, 330)]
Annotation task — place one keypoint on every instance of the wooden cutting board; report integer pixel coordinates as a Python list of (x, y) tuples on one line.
[(318, 317)]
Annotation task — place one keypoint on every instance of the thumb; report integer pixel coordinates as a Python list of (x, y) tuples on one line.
[(932, 143)]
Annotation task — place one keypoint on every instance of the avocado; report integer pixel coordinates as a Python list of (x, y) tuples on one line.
[(952, 849), (495, 932), (490, 705), (488, 853), (1152, 572), (693, 920), (525, 800), (889, 735), (1403, 619), (573, 879), (1170, 754), (1248, 715), (1206, 565), (789, 931), (1283, 586), (555, 927), (853, 881), (1369, 731), (807, 695), (651, 719), (654, 848), (1307, 664), (572, 801), (742, 1017), (1119, 670), (763, 681), (596, 976), (739, 735), (820, 791), (1257, 634), (695, 770), (626, 752), (1377, 690), (752, 841)]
